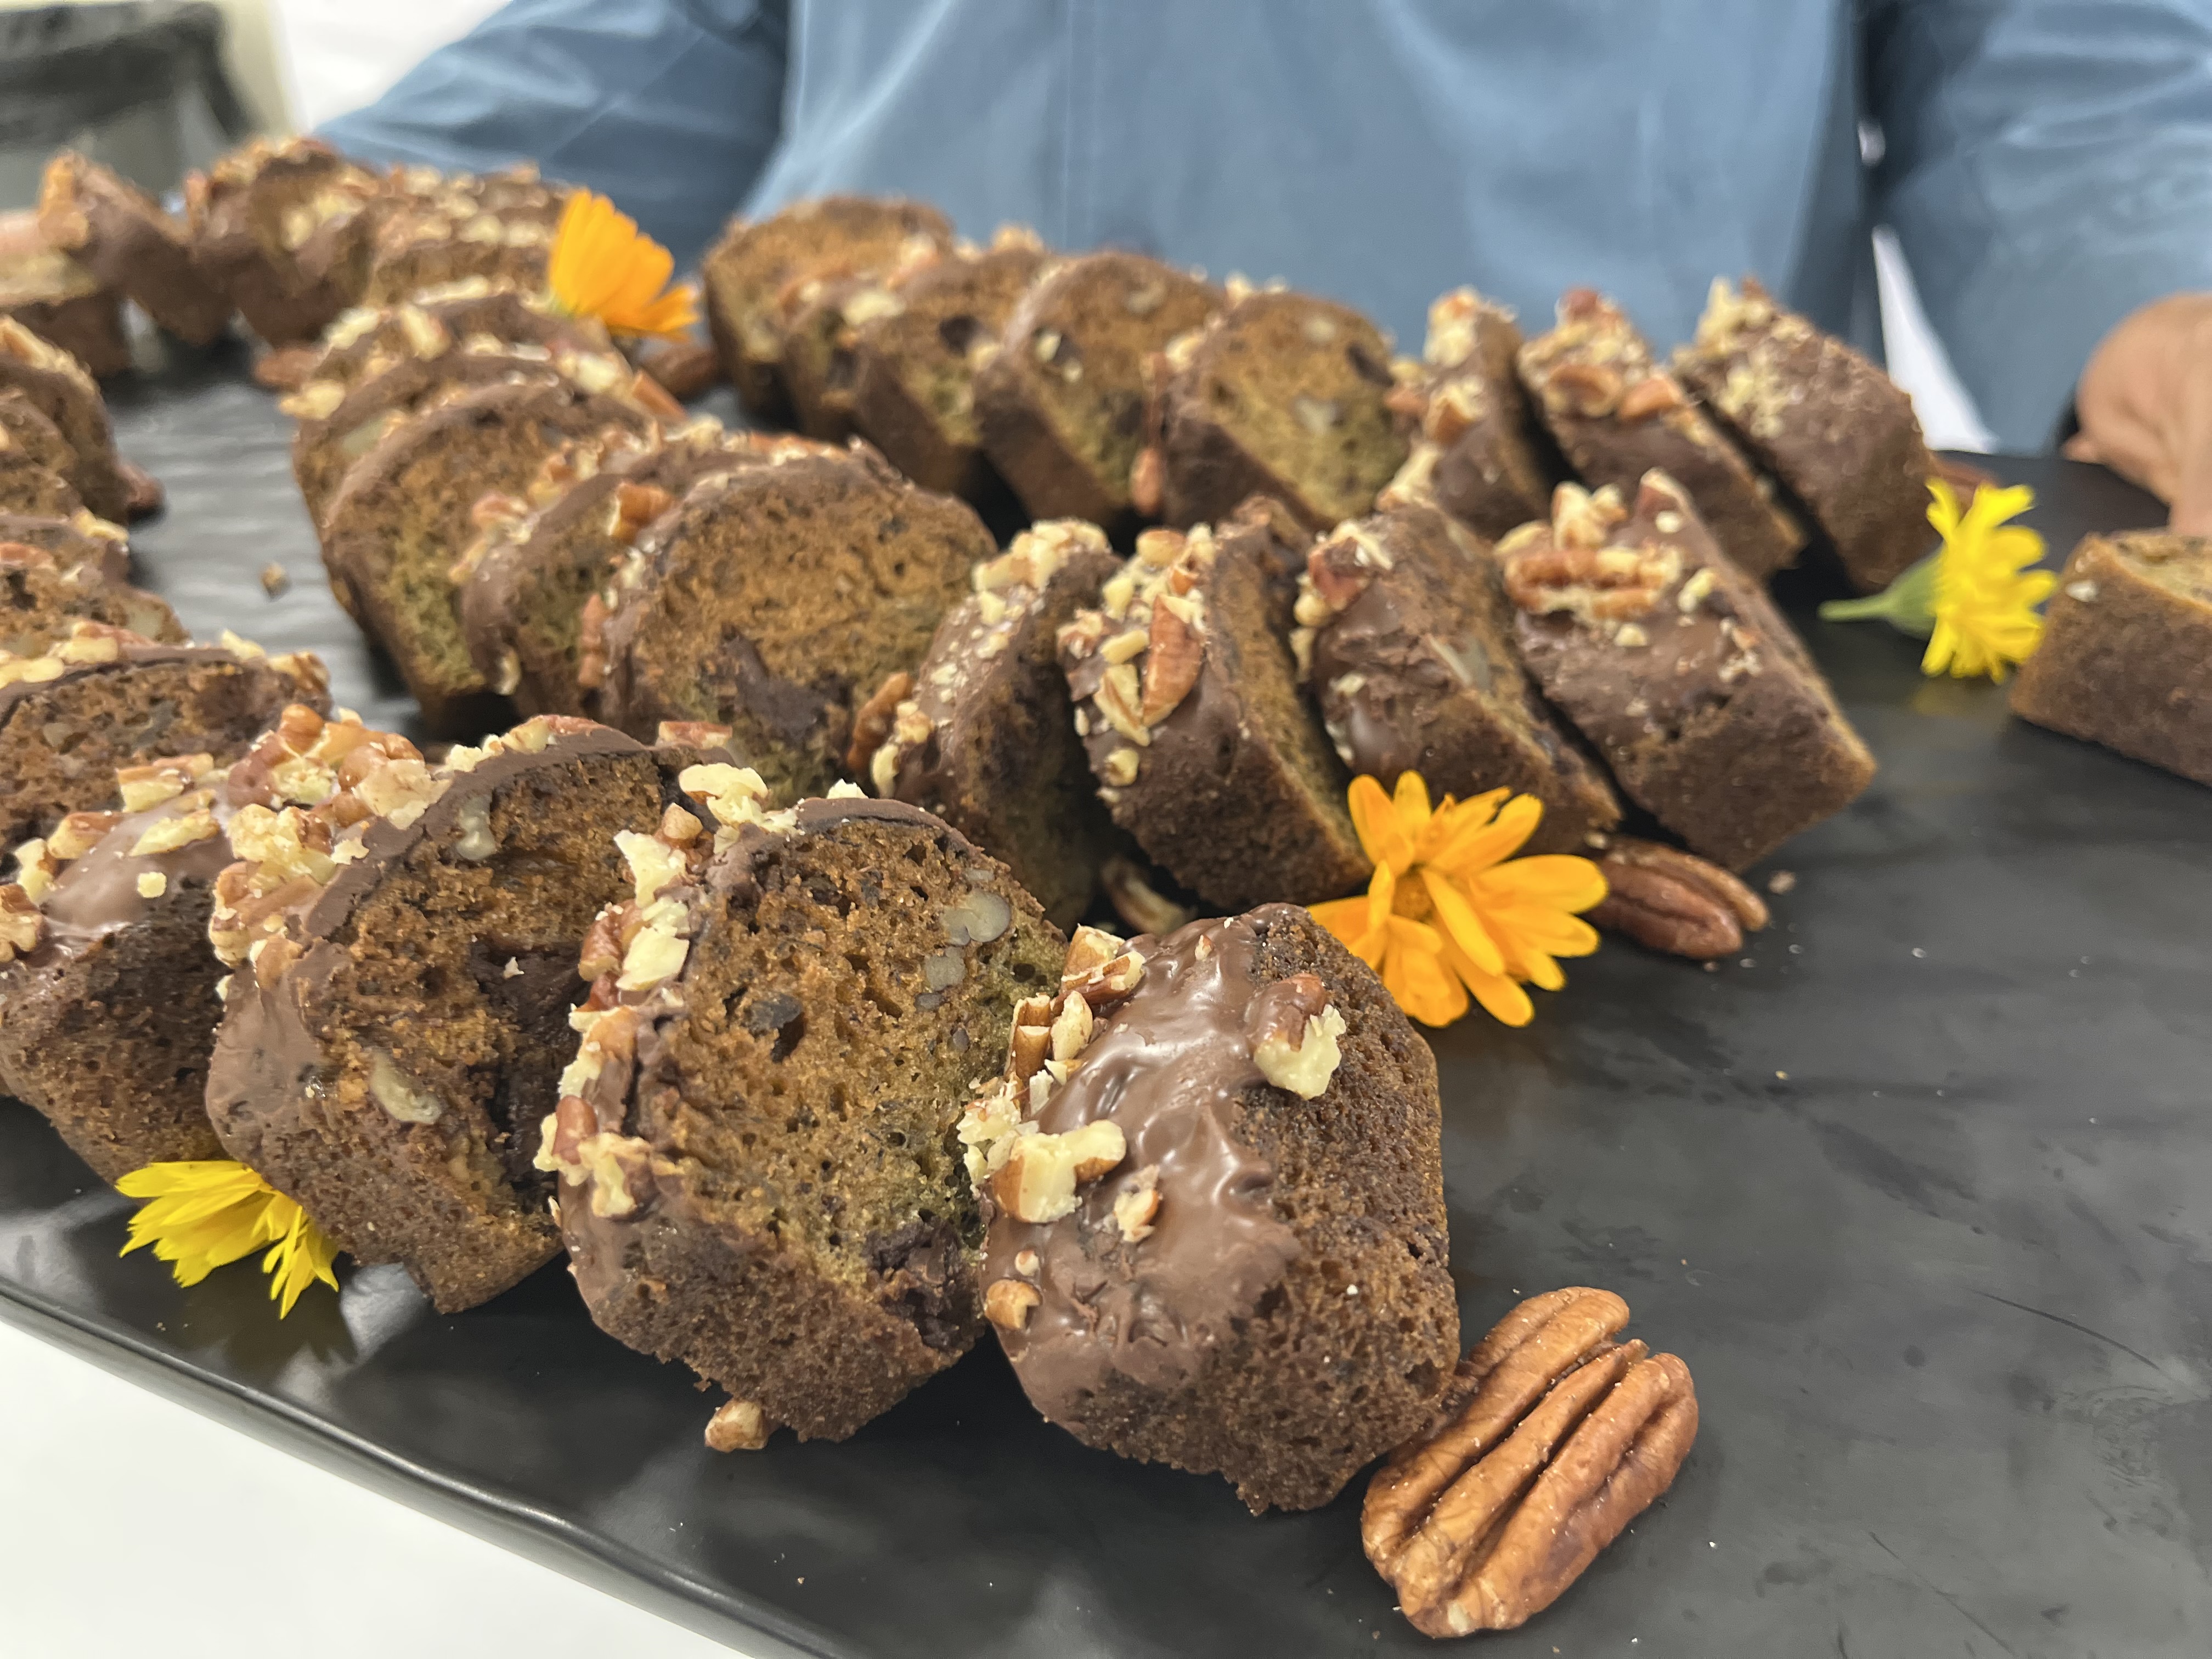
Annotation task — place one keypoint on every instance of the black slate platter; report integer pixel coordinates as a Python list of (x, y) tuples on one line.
[(1921, 1187)]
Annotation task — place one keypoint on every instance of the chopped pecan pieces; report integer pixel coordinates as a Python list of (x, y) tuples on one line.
[(1673, 901), (1551, 1439)]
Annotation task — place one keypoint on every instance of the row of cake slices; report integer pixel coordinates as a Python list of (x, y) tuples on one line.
[(810, 1094), (1116, 389)]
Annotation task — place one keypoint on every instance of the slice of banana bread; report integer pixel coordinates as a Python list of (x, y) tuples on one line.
[(1617, 414), (108, 1004), (58, 299), (399, 1007), (1212, 1175), (756, 1143), (367, 339), (1060, 404), (1835, 429), (1282, 394), (282, 228), (816, 319), (774, 601), (1476, 451), (122, 236), (1188, 702), (913, 387), (748, 272), (1680, 673), (43, 594), (2126, 657), (102, 699), (540, 557), (60, 388), (1409, 637), (340, 423), (403, 515), (981, 734)]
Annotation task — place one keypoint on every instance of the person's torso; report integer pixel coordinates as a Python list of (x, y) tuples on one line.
[(1377, 151)]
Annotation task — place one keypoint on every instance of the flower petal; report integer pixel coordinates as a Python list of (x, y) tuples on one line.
[(1503, 999), (1461, 921), (1381, 837), (1467, 852), (1411, 797), (1559, 879), (1423, 987)]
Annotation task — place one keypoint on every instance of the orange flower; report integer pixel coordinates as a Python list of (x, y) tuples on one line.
[(604, 266), (1447, 914)]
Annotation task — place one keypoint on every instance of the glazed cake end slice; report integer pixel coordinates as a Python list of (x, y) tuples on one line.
[(756, 1144), (122, 236), (1476, 451), (1196, 1254)]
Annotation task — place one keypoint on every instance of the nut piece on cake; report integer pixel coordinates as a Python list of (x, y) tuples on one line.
[(1408, 637), (101, 699), (981, 734), (1281, 394), (1551, 1439), (108, 996), (914, 361), (58, 299), (404, 959), (776, 601), (759, 1174), (122, 236), (2126, 657), (1477, 450), (749, 271), (1618, 415), (1189, 701), (1826, 421), (1680, 672), (78, 540), (1061, 403), (1193, 1256)]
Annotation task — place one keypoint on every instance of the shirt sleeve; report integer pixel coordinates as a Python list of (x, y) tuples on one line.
[(2047, 167), (671, 107)]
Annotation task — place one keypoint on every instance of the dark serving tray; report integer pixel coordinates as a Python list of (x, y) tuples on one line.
[(1921, 1187)]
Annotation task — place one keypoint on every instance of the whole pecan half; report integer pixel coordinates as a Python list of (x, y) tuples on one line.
[(1551, 1439), (1673, 901)]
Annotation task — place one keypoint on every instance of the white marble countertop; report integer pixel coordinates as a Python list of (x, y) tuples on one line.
[(134, 1526)]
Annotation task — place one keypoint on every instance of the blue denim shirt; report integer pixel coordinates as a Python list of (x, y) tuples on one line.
[(2047, 164)]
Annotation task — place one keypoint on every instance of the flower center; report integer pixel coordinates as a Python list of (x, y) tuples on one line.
[(1410, 899)]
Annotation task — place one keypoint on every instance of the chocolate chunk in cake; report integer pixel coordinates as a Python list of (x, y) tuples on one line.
[(1617, 414), (43, 594), (1060, 404), (405, 963), (540, 557), (403, 515), (122, 236), (1477, 452), (1212, 1176), (774, 601), (1839, 433), (1188, 702), (60, 388), (750, 271), (981, 733), (58, 299), (282, 228), (759, 1173), (102, 699), (1680, 672), (340, 423), (1281, 394), (2126, 657), (76, 538), (914, 388), (108, 1000), (1408, 640)]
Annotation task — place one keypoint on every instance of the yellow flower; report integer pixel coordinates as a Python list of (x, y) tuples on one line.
[(604, 266), (1973, 599), (1446, 913), (203, 1214), (1985, 594)]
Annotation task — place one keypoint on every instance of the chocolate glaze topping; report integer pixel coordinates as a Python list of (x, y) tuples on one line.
[(1170, 1067)]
